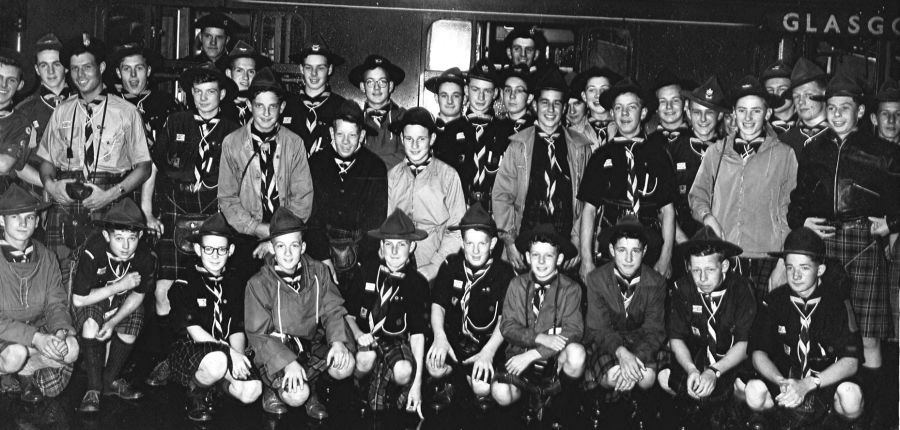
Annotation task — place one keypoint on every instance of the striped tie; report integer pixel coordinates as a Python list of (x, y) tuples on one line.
[(203, 164), (388, 283), (631, 193), (89, 132), (472, 278), (627, 286), (555, 170), (806, 314), (480, 168), (217, 331)]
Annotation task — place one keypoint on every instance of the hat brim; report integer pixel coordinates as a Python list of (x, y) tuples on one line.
[(28, 208), (198, 236), (225, 83), (564, 245), (283, 232), (395, 73), (839, 93), (417, 235), (121, 225), (634, 230), (261, 88), (772, 101), (727, 249), (492, 229), (705, 103), (782, 254), (608, 98), (887, 97), (154, 60), (398, 126), (804, 81), (492, 78), (434, 84), (334, 60)]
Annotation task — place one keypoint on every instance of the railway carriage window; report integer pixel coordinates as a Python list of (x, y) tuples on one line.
[(449, 45), (560, 49), (610, 47)]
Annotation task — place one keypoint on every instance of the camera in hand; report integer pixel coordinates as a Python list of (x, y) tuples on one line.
[(78, 190)]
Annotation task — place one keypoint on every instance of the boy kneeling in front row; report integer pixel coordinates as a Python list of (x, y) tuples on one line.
[(284, 305), (114, 273), (37, 339), (465, 313), (542, 323), (387, 316), (805, 342), (208, 305)]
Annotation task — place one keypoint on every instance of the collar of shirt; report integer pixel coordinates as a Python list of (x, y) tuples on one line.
[(627, 284), (418, 168), (6, 111), (51, 99), (15, 255), (207, 275), (293, 279), (315, 102), (473, 274), (480, 118), (813, 130), (747, 148)]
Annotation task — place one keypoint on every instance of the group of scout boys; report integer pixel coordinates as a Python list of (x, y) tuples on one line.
[(808, 346)]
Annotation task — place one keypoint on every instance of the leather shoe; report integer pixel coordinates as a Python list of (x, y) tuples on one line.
[(315, 409), (160, 375), (271, 403), (31, 394), (122, 389), (90, 402), (198, 406)]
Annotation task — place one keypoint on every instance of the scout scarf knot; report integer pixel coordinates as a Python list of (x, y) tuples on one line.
[(15, 255), (747, 148)]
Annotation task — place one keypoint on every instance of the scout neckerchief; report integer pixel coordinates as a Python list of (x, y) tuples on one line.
[(540, 292), (118, 267), (671, 135), (204, 162), (213, 284), (344, 164), (244, 113), (813, 132), (15, 255), (711, 302), (699, 146), (312, 117), (53, 100), (627, 285), (805, 309), (480, 121), (598, 125), (554, 171), (376, 115), (520, 124), (6, 111), (387, 285), (473, 276), (265, 145), (137, 99), (746, 148), (89, 152), (415, 169), (783, 125), (293, 279), (631, 193)]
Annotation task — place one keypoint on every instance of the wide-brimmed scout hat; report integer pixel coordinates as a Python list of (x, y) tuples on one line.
[(563, 244), (265, 80), (710, 95), (750, 86), (414, 116), (520, 71), (705, 239), (624, 86), (804, 71), (453, 75), (484, 70), (889, 91), (550, 78), (80, 45), (217, 20), (395, 73), (215, 225), (245, 50), (842, 85), (283, 222), (526, 33), (334, 60), (778, 69), (123, 214), (16, 200), (398, 225), (477, 218), (803, 241)]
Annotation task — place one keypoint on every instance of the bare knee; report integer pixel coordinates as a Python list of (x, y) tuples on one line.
[(649, 378), (126, 338), (848, 400), (664, 381), (295, 398), (504, 394), (89, 329), (13, 358), (365, 360), (757, 394), (575, 357), (246, 391), (611, 377), (437, 372), (402, 372), (481, 388), (212, 368), (344, 372)]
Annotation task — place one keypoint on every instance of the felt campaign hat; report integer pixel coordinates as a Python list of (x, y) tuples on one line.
[(841, 85), (215, 225), (120, 52), (484, 70), (17, 200), (667, 77), (48, 41), (334, 60), (414, 116), (453, 75), (889, 91), (217, 20), (520, 71), (477, 218), (283, 222), (750, 86), (778, 69), (398, 225), (550, 78), (804, 71), (624, 86), (540, 41), (803, 241), (265, 80), (124, 214), (706, 238), (710, 95), (245, 50), (546, 230), (628, 225), (80, 45), (374, 61)]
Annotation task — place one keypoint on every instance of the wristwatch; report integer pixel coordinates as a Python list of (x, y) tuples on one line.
[(715, 370), (121, 189)]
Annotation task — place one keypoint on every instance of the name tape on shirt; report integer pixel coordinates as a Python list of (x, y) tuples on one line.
[(201, 303), (457, 284), (681, 166), (782, 330), (608, 163), (287, 120), (179, 137), (697, 309), (370, 286)]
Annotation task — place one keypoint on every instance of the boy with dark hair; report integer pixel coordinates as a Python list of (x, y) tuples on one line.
[(466, 311), (115, 270), (37, 340), (17, 136), (588, 86), (243, 62), (387, 307), (777, 80), (455, 136), (805, 343), (208, 304), (294, 320), (53, 89), (808, 81), (311, 112), (477, 175), (542, 324), (377, 78), (886, 115), (625, 319)]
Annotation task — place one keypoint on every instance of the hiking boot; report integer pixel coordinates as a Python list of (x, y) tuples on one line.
[(122, 389), (198, 405), (90, 402), (315, 409), (271, 403), (31, 393), (160, 375)]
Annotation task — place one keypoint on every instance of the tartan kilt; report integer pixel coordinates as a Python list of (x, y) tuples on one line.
[(894, 286), (131, 325), (174, 206), (186, 355), (51, 381), (311, 358), (60, 216), (391, 350), (855, 247), (599, 364), (465, 348)]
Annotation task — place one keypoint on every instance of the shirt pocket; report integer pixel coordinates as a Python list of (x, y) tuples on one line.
[(111, 146)]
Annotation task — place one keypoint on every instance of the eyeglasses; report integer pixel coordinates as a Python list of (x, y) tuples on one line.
[(208, 250), (381, 83)]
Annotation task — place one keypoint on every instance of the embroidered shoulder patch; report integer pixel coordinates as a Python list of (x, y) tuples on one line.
[(287, 120)]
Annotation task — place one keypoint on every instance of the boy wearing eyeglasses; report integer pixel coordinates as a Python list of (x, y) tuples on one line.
[(208, 305), (377, 78)]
